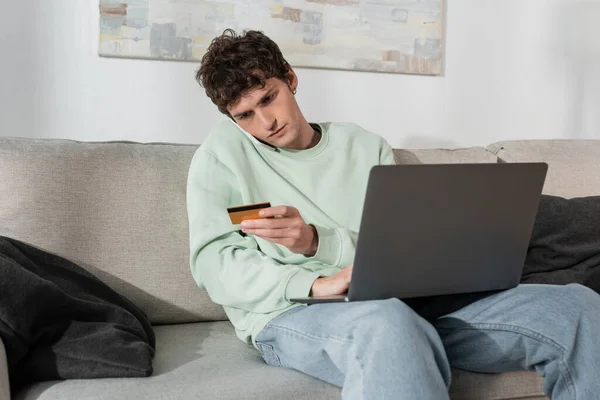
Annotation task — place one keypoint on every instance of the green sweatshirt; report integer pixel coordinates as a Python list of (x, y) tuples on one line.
[(253, 279)]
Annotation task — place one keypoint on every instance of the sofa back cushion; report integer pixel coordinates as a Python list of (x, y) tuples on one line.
[(444, 156), (116, 209), (573, 165)]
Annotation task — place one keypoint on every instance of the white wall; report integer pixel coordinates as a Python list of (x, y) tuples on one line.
[(514, 69)]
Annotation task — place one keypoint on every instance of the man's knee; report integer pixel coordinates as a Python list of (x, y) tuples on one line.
[(581, 296), (570, 302), (392, 316), (390, 308), (571, 294), (394, 331)]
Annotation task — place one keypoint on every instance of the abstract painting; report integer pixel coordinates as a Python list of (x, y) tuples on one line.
[(396, 36)]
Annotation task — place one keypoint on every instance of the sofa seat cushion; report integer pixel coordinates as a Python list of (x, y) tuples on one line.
[(573, 165), (195, 361), (207, 361)]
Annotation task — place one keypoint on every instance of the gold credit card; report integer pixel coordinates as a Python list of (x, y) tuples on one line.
[(249, 211)]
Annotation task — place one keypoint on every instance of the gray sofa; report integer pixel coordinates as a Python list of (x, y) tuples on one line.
[(118, 210)]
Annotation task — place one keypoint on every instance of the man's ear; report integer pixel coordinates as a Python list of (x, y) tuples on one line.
[(292, 79)]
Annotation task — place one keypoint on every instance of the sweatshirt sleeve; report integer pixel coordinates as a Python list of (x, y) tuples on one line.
[(338, 246), (386, 154), (231, 267)]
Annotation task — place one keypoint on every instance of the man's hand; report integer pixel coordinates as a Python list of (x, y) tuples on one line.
[(284, 225), (334, 284)]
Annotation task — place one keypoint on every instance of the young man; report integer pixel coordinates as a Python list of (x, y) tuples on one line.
[(315, 177)]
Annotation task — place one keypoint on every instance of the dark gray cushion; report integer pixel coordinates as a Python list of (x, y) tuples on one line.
[(565, 243)]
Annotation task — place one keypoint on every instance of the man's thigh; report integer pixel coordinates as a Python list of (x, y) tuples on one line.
[(300, 338), (322, 340)]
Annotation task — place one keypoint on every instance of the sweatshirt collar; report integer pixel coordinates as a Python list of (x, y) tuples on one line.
[(300, 154)]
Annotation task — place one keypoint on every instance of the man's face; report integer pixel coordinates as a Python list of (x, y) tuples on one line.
[(270, 114)]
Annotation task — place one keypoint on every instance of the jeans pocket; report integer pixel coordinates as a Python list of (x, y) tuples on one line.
[(268, 354)]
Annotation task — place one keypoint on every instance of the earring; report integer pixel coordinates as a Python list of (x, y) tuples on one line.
[(294, 91)]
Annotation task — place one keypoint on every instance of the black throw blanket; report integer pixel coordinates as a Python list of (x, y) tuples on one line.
[(58, 321), (564, 248)]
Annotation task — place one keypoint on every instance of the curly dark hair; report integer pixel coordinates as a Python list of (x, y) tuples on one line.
[(234, 63)]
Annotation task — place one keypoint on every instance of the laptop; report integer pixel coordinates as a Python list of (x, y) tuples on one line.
[(443, 229)]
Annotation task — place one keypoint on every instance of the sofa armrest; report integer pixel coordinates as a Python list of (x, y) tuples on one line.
[(4, 388)]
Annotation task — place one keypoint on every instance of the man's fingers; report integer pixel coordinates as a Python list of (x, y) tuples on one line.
[(268, 233), (266, 223), (278, 211)]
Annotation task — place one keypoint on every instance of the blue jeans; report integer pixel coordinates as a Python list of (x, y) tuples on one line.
[(384, 350)]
